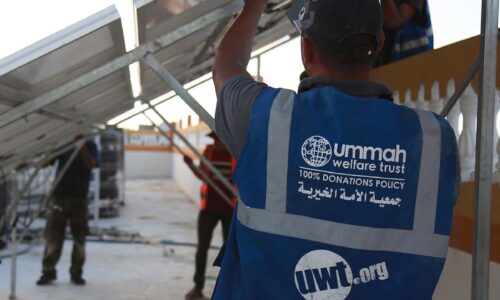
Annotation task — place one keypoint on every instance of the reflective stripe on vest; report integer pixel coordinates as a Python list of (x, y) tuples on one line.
[(274, 219), (424, 41)]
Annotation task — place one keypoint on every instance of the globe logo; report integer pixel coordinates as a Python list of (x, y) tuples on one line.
[(317, 151)]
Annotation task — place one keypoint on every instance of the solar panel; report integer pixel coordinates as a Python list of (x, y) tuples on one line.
[(49, 64), (192, 57), (78, 77)]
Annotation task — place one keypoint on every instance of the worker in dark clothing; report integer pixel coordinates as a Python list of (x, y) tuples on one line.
[(69, 205), (213, 208), (407, 29)]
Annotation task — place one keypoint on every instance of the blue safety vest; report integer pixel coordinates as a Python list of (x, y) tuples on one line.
[(341, 198), (412, 39)]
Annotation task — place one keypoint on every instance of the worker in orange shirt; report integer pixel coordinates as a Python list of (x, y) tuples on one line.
[(214, 207)]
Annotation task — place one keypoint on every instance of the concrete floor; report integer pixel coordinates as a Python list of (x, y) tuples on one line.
[(157, 209)]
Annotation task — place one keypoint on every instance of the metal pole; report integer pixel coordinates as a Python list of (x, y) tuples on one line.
[(13, 265), (78, 146), (463, 85), (156, 104), (48, 194), (175, 85), (197, 169), (484, 150), (13, 206), (97, 196), (210, 41), (197, 153)]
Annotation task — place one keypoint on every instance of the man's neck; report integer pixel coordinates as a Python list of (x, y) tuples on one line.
[(343, 75)]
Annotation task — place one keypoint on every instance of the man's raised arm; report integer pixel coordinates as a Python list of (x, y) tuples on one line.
[(235, 48), (395, 16)]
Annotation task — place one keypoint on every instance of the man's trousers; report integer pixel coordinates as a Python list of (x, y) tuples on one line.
[(75, 213), (207, 221)]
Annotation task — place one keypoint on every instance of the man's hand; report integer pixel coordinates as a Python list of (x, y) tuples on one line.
[(188, 160), (79, 137), (260, 4), (395, 16), (235, 48)]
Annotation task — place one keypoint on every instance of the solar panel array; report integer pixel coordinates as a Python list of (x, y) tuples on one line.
[(62, 85)]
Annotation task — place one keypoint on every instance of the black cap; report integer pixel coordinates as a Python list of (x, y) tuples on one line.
[(329, 23)]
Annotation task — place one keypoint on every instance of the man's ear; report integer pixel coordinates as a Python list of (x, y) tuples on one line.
[(381, 43), (307, 52)]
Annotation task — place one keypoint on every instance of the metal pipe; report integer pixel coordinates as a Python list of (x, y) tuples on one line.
[(48, 194), (209, 165), (13, 206), (197, 169), (142, 97), (175, 85), (78, 145), (13, 265), (458, 93), (97, 197), (219, 29), (484, 151)]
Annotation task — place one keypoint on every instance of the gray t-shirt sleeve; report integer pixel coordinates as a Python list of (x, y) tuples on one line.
[(234, 106)]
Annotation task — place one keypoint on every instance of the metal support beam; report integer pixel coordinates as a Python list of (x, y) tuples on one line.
[(50, 97), (148, 96), (78, 145), (10, 211), (206, 178), (72, 86), (205, 161), (53, 141), (13, 265), (484, 150), (210, 41), (463, 85), (48, 195), (175, 85)]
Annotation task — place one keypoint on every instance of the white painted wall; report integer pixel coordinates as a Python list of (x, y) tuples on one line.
[(148, 164), (184, 177), (455, 282), (181, 173)]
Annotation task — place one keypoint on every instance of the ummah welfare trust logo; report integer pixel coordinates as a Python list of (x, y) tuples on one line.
[(323, 275), (317, 151)]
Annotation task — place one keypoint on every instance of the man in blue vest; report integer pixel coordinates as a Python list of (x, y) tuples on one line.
[(407, 29), (344, 195)]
